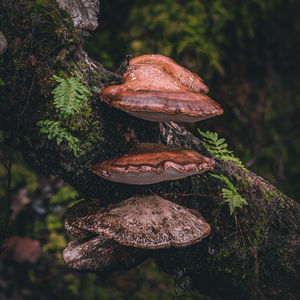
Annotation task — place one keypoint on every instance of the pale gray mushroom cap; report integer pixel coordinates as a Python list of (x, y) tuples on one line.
[(100, 254), (148, 222)]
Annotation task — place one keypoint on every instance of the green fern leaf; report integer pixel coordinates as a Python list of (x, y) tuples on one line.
[(54, 131), (231, 195), (218, 148), (69, 96)]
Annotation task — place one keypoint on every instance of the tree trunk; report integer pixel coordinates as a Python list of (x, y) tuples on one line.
[(252, 254)]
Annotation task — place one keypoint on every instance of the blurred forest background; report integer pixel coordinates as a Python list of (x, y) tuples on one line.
[(248, 54)]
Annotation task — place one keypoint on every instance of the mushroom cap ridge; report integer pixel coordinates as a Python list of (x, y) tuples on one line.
[(158, 89), (148, 222), (187, 78), (149, 163)]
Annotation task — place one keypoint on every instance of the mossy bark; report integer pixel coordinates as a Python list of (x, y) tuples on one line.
[(253, 254)]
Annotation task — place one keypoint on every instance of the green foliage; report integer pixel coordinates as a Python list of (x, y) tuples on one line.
[(27, 140), (53, 222), (69, 96), (231, 195), (54, 131), (21, 176), (273, 194), (218, 148), (179, 30), (65, 196)]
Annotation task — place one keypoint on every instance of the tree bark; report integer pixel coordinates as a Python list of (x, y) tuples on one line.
[(252, 254)]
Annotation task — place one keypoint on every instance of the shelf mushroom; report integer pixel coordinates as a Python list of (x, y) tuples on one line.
[(148, 222), (149, 163), (187, 78), (156, 88), (100, 254)]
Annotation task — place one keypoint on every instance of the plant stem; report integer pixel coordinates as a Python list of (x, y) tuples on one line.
[(8, 202)]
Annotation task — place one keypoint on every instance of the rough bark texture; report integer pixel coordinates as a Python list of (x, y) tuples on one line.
[(84, 13), (254, 254)]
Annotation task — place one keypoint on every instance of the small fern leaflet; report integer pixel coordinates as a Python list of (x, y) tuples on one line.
[(54, 131), (218, 148), (231, 195), (69, 96)]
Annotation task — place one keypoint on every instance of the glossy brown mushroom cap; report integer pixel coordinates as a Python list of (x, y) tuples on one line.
[(155, 88), (148, 222), (184, 76), (181, 106), (150, 163)]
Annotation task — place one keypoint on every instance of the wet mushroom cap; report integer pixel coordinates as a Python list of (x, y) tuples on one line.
[(155, 88), (148, 222), (153, 105), (149, 163), (185, 77), (100, 254)]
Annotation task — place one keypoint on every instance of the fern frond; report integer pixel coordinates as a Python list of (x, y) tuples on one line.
[(69, 96), (230, 195), (218, 148), (54, 131)]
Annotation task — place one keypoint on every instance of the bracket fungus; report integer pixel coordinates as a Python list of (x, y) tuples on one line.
[(184, 76), (149, 163), (148, 222), (156, 88), (100, 254)]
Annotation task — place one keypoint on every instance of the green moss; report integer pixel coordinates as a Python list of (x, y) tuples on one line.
[(274, 194), (257, 233), (92, 137), (243, 183), (267, 195), (223, 253)]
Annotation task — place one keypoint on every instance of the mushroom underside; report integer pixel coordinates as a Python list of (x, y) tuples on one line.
[(99, 254), (163, 117), (149, 163), (155, 105), (147, 177)]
